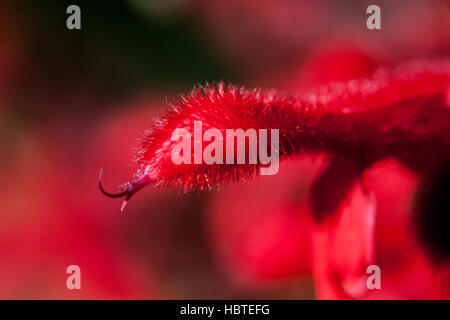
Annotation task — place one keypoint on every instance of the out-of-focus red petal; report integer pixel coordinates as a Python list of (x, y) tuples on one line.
[(406, 269), (442, 282), (334, 62), (343, 246)]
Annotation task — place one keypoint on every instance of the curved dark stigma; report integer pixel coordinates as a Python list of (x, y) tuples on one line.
[(131, 189)]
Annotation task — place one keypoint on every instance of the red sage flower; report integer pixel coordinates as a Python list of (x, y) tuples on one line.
[(401, 113)]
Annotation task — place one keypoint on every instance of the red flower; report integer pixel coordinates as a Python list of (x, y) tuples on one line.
[(403, 113), (406, 268)]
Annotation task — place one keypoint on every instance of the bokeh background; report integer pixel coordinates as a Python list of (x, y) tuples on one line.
[(75, 101)]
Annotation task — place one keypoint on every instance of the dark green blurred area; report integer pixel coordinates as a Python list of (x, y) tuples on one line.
[(119, 49)]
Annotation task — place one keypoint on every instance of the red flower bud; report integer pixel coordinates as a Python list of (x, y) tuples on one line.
[(401, 113)]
